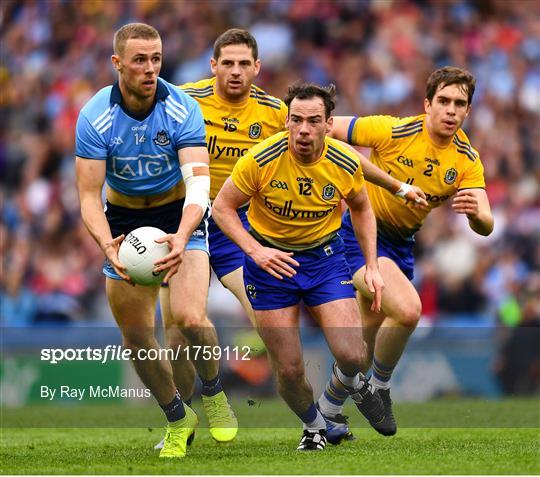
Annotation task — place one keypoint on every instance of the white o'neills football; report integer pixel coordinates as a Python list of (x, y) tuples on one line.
[(139, 251)]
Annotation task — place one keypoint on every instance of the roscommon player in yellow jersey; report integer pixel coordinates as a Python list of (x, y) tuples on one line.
[(237, 116), (295, 182), (432, 152)]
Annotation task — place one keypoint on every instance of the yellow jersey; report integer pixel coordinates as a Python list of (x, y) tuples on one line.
[(294, 204), (402, 148), (233, 128)]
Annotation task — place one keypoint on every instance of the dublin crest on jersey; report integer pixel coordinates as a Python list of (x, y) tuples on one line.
[(450, 176), (328, 192), (255, 130), (162, 139)]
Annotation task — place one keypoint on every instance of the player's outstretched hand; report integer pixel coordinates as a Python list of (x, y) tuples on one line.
[(275, 262), (171, 261), (416, 198), (466, 202), (111, 252), (375, 284)]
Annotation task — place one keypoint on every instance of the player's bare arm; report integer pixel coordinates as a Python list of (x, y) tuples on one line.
[(474, 203), (196, 173), (90, 179), (276, 262), (365, 229), (340, 127), (411, 194)]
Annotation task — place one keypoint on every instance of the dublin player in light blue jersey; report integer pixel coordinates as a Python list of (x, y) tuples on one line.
[(146, 139)]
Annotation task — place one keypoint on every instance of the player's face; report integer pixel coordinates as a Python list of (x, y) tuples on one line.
[(307, 127), (139, 67), (447, 111), (235, 70)]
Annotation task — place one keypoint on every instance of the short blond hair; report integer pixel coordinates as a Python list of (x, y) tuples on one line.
[(133, 31)]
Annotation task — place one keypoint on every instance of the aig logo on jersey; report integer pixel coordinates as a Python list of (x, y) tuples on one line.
[(450, 176), (161, 139), (255, 131), (328, 192)]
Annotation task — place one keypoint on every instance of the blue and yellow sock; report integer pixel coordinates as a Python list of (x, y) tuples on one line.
[(332, 399), (381, 375)]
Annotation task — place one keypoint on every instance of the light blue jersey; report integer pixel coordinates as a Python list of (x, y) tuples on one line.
[(141, 151)]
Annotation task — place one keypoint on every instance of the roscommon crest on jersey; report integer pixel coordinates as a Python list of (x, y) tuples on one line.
[(233, 128), (139, 251), (403, 148)]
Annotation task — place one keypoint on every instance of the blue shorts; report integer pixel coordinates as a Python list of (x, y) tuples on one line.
[(225, 255), (400, 252), (123, 220), (323, 276)]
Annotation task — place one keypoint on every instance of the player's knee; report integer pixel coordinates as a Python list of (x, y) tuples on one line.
[(410, 314), (350, 361), (190, 319), (289, 374)]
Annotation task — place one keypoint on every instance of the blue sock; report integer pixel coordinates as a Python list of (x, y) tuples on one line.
[(174, 411), (188, 401), (211, 387), (312, 418), (308, 415)]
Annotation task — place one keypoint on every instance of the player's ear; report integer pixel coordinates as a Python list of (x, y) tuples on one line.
[(329, 124), (115, 60), (287, 122), (427, 105), (213, 65), (257, 67)]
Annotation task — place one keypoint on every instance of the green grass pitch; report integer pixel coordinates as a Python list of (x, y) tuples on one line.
[(466, 437)]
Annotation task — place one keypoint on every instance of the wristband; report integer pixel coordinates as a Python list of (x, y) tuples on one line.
[(403, 190)]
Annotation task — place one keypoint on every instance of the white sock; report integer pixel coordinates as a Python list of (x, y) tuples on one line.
[(328, 408), (349, 381), (317, 424), (377, 384)]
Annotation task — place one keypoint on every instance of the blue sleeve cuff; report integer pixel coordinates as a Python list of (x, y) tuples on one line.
[(190, 144), (350, 131)]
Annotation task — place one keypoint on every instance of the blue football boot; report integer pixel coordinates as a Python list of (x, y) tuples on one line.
[(337, 428)]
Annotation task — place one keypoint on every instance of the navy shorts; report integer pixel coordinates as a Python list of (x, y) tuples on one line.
[(225, 255), (323, 276), (123, 220), (400, 252)]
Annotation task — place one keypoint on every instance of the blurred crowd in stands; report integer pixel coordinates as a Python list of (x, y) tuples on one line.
[(55, 54)]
